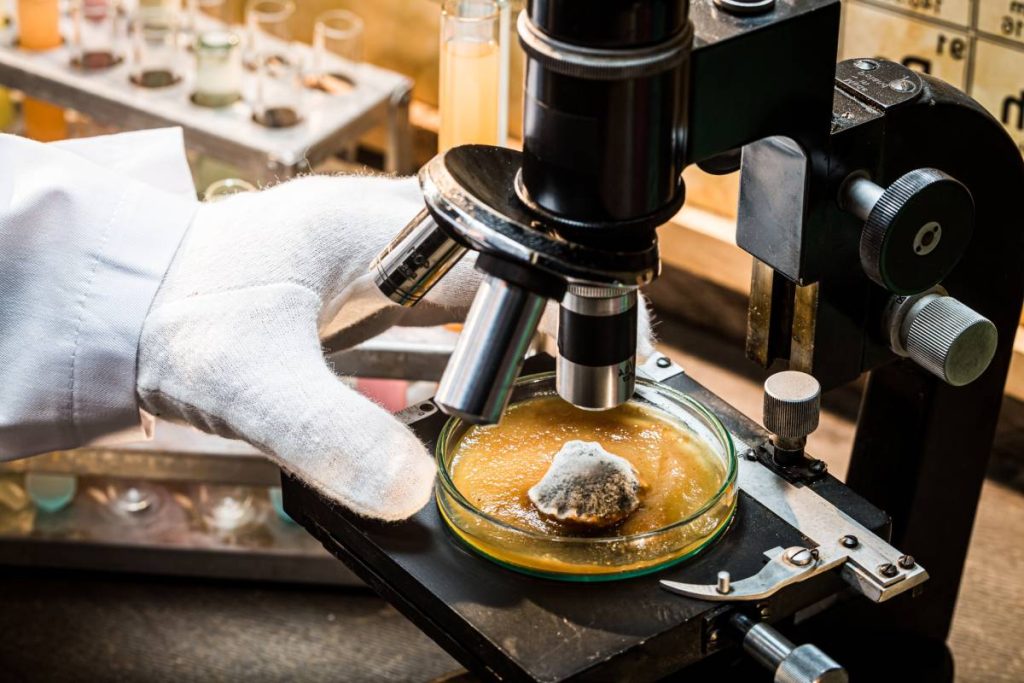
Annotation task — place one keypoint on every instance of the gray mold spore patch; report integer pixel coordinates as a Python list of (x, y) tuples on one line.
[(587, 486)]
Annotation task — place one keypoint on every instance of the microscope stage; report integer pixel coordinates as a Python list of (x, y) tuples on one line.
[(511, 626)]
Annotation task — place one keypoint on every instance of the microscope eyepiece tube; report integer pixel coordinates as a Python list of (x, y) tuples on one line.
[(477, 383), (597, 346), (416, 259)]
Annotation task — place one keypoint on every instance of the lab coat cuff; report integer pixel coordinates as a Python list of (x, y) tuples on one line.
[(146, 229)]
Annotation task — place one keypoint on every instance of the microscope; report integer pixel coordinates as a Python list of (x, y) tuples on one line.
[(876, 204)]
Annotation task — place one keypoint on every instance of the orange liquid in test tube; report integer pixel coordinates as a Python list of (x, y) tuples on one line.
[(43, 121), (468, 93), (38, 24)]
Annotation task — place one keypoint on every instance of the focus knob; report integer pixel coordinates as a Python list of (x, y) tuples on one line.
[(945, 337), (915, 231), (792, 404)]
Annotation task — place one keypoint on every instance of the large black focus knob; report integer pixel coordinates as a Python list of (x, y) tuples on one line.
[(915, 231)]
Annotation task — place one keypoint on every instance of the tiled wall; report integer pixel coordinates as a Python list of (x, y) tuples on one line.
[(976, 45)]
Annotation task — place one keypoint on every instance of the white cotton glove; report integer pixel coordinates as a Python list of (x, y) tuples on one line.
[(232, 344)]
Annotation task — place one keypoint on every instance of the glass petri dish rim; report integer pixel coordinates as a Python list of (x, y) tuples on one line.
[(446, 483), (600, 577)]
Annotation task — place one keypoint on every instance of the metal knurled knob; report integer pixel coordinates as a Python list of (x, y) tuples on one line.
[(949, 340), (916, 231), (792, 404)]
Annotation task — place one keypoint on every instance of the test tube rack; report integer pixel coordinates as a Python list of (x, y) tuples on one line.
[(330, 122)]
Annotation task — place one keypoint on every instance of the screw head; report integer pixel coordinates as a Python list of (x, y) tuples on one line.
[(819, 467), (801, 557), (888, 570), (865, 64), (906, 561), (927, 238), (849, 541), (663, 362), (902, 85), (713, 636)]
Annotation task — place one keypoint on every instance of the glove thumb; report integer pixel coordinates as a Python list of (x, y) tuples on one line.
[(250, 366)]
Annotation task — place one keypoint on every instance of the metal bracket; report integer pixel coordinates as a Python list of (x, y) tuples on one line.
[(658, 368), (415, 413), (781, 571), (869, 564)]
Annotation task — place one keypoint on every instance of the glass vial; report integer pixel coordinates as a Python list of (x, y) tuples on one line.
[(51, 492), (38, 24), (96, 39), (226, 187), (218, 69), (203, 15), (470, 78), (225, 508), (44, 122), (278, 90), (6, 24), (337, 33), (155, 46)]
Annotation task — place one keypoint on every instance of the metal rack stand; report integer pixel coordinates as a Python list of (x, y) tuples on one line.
[(330, 122)]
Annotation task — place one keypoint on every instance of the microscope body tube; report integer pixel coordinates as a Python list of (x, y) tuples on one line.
[(603, 109), (478, 380), (597, 327)]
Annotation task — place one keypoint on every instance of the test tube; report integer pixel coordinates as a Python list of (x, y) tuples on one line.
[(470, 78), (38, 24), (337, 33), (6, 23), (278, 94), (97, 33), (218, 69), (8, 115), (44, 122), (198, 14), (155, 46)]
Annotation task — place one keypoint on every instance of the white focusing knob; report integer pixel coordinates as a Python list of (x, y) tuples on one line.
[(792, 404), (947, 339)]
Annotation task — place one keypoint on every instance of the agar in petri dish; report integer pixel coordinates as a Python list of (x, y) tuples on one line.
[(681, 452)]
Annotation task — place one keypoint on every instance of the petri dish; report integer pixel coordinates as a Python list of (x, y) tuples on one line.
[(691, 491)]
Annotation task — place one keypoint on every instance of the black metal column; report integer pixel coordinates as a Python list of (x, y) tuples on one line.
[(922, 447)]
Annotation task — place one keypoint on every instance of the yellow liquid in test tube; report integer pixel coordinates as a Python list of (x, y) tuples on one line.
[(7, 113), (38, 24), (469, 94), (43, 121)]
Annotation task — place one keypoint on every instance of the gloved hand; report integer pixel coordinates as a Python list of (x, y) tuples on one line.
[(231, 344)]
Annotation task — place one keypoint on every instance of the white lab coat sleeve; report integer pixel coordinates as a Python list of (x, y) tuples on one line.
[(86, 235)]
